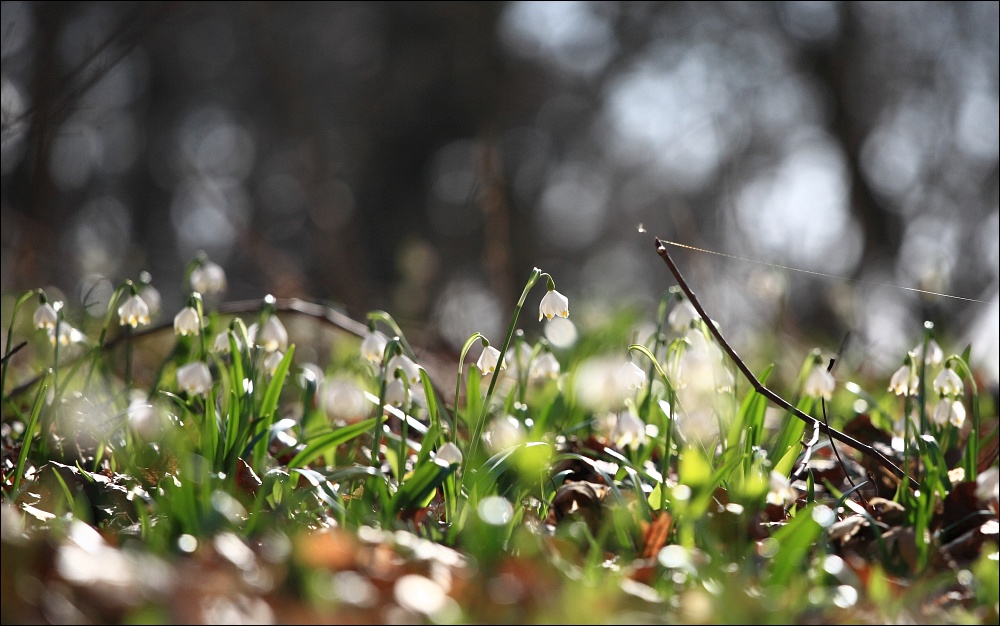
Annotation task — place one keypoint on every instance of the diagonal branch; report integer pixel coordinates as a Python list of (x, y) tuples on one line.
[(759, 387)]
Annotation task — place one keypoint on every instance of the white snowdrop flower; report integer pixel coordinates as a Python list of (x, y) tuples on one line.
[(344, 402), (188, 322), (397, 393), (517, 359), (545, 366), (934, 354), (628, 430), (67, 335), (781, 492), (949, 410), (272, 361), (488, 360), (272, 336), (373, 346), (553, 304), (948, 383), (631, 375), (988, 485), (681, 315), (151, 296), (820, 383), (504, 432), (208, 278), (45, 316), (134, 312), (194, 378), (410, 369), (903, 381), (221, 343), (448, 454)]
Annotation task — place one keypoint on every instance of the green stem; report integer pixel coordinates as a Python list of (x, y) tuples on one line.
[(478, 432), (391, 348), (10, 339), (669, 425), (461, 369)]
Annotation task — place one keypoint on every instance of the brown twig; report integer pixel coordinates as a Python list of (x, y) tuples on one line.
[(759, 387)]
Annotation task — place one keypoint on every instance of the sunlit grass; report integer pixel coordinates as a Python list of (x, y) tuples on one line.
[(621, 478)]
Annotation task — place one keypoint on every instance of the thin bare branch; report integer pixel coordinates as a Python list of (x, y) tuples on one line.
[(759, 387)]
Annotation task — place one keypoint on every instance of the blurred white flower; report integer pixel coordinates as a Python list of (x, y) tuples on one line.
[(67, 335), (272, 361), (934, 352), (221, 343), (487, 362), (152, 298), (631, 375), (142, 415), (208, 278), (188, 322), (948, 383), (373, 346), (820, 383), (45, 316), (504, 432), (596, 384), (949, 410), (781, 492), (134, 312), (681, 315), (271, 337), (628, 430), (194, 378), (543, 367), (448, 454), (988, 485), (903, 381), (344, 402), (410, 369), (517, 359), (553, 303), (397, 393)]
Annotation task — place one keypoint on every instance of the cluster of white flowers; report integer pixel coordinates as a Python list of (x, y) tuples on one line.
[(947, 384), (520, 359), (949, 409)]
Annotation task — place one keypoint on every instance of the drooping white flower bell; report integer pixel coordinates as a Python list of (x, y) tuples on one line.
[(45, 316), (948, 383), (820, 383), (272, 336), (903, 381), (681, 315), (949, 410), (188, 322), (134, 312), (208, 278), (410, 369), (448, 455), (631, 375), (553, 304), (488, 360), (194, 378), (373, 346)]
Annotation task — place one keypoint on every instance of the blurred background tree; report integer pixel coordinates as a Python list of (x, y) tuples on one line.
[(422, 157)]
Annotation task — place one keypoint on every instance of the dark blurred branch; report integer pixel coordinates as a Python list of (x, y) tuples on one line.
[(50, 111)]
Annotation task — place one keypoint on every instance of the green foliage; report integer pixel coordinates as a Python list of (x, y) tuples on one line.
[(676, 491)]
